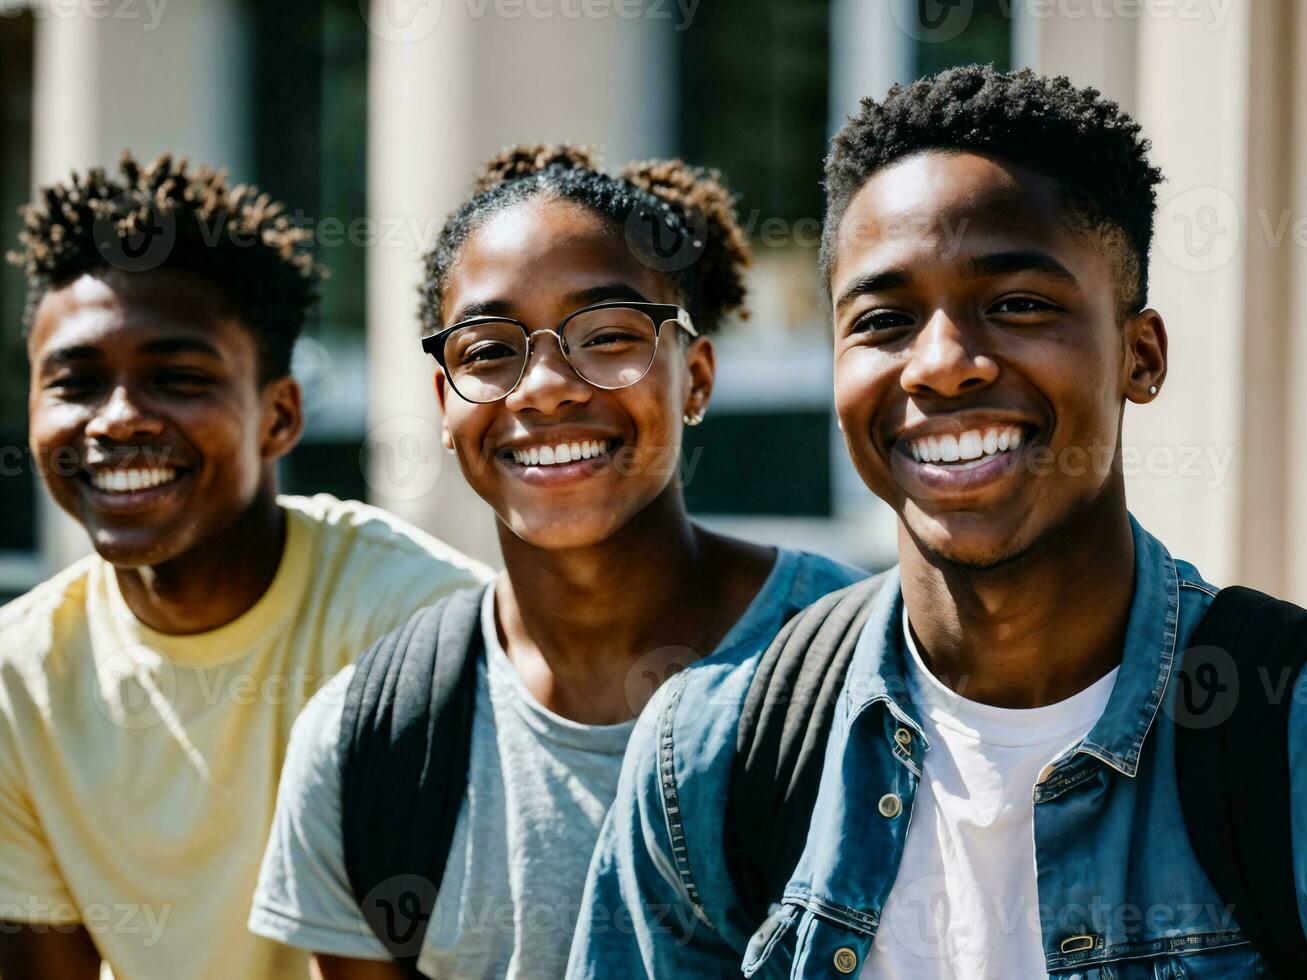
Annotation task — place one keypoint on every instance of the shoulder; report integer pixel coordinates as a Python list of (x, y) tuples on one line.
[(313, 755), (369, 534), (816, 576), (30, 625)]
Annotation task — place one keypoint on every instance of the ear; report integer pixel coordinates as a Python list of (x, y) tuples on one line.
[(1145, 360), (701, 361), (442, 395), (283, 417)]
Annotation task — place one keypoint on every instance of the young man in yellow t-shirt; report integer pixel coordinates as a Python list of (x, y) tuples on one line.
[(147, 692)]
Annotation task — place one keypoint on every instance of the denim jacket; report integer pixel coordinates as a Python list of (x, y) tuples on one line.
[(1121, 894)]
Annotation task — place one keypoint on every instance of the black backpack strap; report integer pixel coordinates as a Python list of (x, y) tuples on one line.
[(404, 743), (781, 743), (1232, 763)]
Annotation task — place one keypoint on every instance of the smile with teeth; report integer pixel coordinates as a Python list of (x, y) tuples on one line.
[(564, 452), (127, 481), (965, 447)]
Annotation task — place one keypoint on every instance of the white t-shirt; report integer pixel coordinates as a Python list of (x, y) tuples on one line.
[(965, 902)]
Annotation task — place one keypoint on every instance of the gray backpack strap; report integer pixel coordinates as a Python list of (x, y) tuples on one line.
[(405, 736), (781, 742)]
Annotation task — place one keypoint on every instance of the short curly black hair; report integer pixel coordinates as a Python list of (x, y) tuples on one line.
[(1084, 142), (161, 216), (706, 251)]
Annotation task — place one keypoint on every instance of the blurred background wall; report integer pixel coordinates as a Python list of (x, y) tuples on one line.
[(368, 117)]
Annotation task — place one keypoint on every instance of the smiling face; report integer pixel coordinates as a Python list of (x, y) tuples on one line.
[(148, 420), (537, 262), (980, 363)]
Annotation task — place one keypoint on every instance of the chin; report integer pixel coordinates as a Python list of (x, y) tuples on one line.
[(560, 534), (126, 550), (964, 545)]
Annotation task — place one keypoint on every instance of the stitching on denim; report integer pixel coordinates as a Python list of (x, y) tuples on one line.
[(1156, 947), (670, 796), (840, 915)]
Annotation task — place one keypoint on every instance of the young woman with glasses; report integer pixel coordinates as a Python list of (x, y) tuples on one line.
[(568, 312)]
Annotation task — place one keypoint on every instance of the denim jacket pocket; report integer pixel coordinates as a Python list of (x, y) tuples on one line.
[(763, 942)]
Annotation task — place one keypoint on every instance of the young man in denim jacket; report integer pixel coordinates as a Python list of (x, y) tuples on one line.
[(998, 796)]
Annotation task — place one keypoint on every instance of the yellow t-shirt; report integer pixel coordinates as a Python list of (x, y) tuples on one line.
[(138, 770)]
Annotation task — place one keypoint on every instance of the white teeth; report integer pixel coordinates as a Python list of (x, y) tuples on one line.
[(564, 452), (125, 481), (965, 446)]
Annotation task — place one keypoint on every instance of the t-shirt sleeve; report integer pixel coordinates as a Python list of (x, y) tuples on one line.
[(303, 898), (32, 888)]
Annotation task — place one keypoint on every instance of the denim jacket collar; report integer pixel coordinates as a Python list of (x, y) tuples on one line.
[(878, 669)]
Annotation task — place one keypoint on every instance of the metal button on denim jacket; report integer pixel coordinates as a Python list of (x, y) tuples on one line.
[(1121, 894)]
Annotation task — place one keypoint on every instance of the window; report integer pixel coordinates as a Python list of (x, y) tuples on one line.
[(309, 112), (18, 481), (987, 38)]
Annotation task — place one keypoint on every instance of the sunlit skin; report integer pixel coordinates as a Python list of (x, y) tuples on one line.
[(614, 568), (146, 369), (963, 297)]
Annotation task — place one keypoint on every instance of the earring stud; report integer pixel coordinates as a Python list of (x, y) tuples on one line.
[(692, 420), (1152, 389)]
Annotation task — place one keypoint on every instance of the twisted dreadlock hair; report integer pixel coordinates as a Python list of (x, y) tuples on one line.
[(707, 253), (190, 221), (1081, 140)]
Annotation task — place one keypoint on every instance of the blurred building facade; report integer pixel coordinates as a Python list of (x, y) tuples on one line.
[(369, 116)]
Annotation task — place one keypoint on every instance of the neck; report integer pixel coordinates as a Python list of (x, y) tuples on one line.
[(214, 582), (613, 596), (1037, 629)]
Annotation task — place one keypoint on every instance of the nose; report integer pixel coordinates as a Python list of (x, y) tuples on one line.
[(549, 382), (120, 418), (944, 361)]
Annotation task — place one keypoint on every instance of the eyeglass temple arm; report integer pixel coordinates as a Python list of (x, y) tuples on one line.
[(683, 318)]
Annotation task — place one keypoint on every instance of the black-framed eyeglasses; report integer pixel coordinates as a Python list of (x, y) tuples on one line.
[(608, 345)]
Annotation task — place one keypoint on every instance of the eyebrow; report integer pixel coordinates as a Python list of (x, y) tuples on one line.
[(68, 355), (873, 282), (180, 345), (981, 267), (62, 356), (603, 293), (1023, 260)]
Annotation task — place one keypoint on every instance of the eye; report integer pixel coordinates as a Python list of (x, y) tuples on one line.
[(1021, 306), (487, 351), (607, 336), (179, 378), (73, 385), (880, 321)]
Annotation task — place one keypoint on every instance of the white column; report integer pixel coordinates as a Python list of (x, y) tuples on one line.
[(869, 52), (1092, 44)]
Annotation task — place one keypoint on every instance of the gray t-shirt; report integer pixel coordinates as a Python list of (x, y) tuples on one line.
[(539, 786)]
